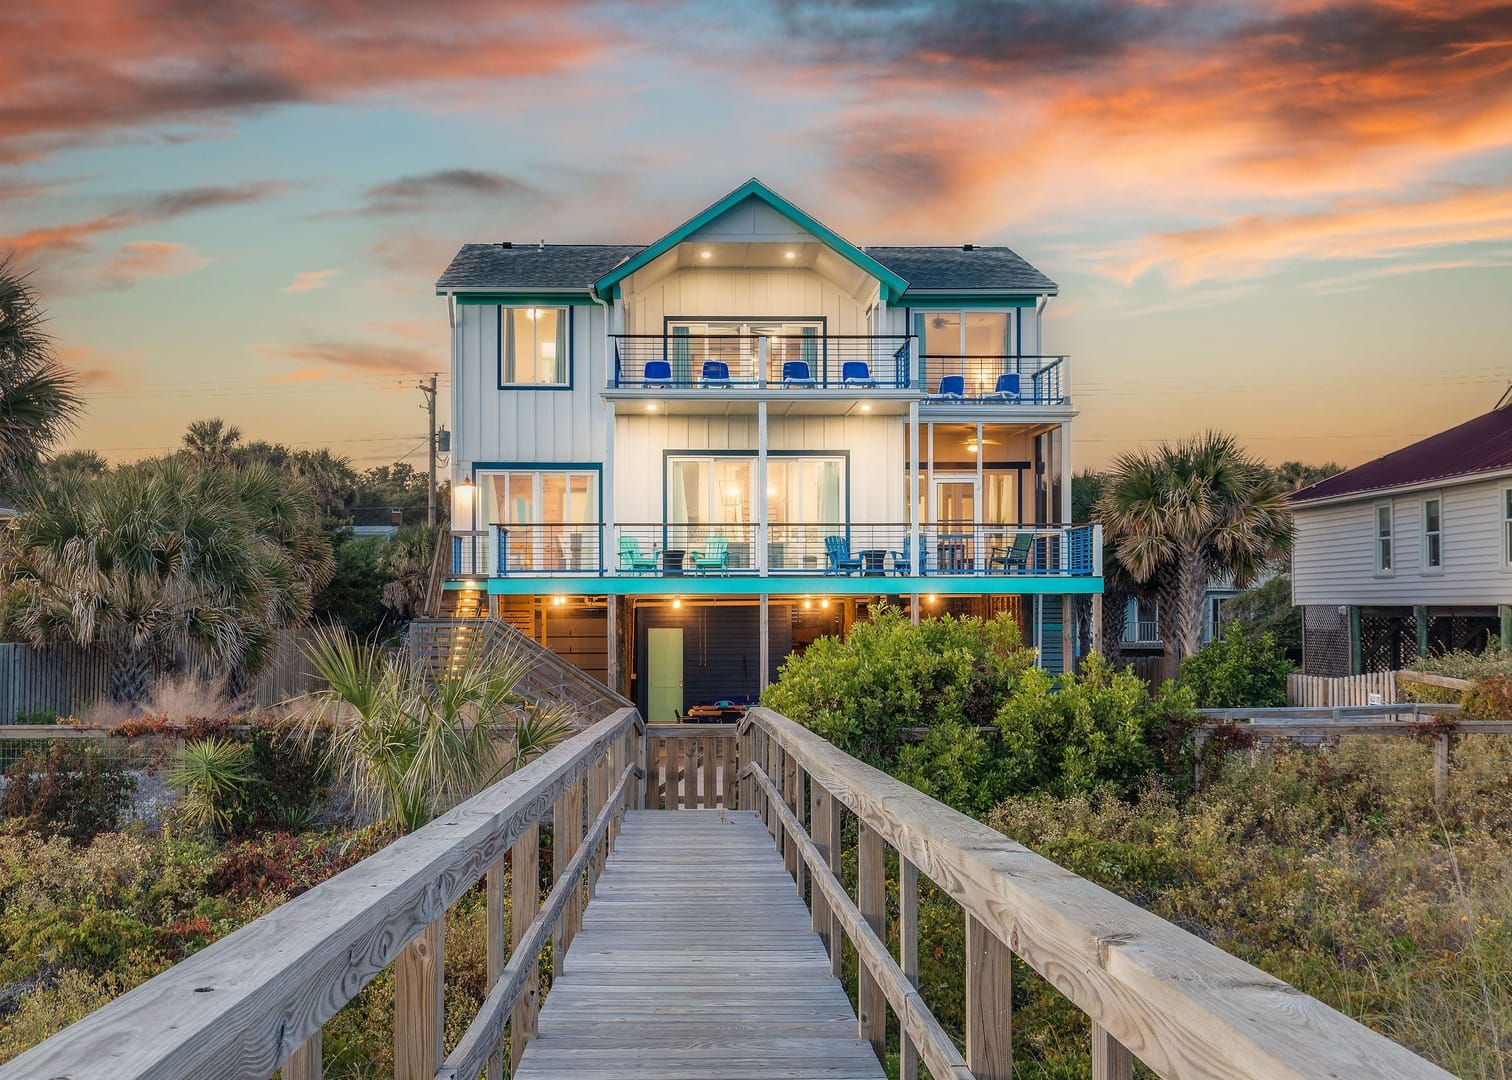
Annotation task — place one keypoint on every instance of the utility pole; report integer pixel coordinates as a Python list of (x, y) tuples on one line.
[(429, 390)]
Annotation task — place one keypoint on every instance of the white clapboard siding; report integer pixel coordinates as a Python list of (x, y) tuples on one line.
[(1333, 560)]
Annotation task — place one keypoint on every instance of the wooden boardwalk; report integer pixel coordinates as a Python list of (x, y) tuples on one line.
[(696, 959)]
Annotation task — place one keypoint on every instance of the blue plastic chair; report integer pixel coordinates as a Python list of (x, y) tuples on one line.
[(716, 373), (659, 373), (903, 560), (841, 561), (1007, 388), (857, 373), (952, 386), (796, 373)]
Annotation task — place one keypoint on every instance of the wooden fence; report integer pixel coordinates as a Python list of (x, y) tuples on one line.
[(1320, 691), (67, 680)]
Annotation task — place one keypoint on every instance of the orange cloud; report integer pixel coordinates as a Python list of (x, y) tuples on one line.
[(310, 280), (149, 258), (1352, 229), (70, 72), (357, 357), (94, 369)]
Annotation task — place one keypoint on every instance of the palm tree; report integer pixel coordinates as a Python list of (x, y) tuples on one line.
[(407, 558), (161, 563), (1179, 516), (331, 478), (409, 744), (212, 443), (38, 398)]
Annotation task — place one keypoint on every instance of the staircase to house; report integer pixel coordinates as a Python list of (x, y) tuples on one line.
[(446, 644)]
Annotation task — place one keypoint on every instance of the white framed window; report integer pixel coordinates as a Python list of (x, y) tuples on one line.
[(1506, 515), (1433, 534), (535, 344), (544, 519), (1384, 555)]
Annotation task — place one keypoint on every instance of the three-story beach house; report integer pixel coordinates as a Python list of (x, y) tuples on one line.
[(676, 463)]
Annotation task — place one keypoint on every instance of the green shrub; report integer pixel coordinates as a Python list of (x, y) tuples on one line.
[(40, 717), (214, 780), (1463, 664), (1240, 670), (73, 789), (864, 693), (1075, 732)]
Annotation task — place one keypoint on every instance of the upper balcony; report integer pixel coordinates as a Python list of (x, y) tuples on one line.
[(691, 368)]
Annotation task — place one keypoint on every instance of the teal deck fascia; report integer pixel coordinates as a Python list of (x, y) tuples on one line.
[(790, 585)]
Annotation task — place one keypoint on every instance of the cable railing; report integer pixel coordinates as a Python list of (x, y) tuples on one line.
[(984, 379), (715, 362)]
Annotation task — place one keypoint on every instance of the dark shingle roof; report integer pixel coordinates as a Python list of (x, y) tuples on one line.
[(1477, 446), (531, 266), (578, 266), (991, 268)]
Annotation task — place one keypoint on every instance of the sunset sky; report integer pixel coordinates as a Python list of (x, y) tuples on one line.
[(1289, 220)]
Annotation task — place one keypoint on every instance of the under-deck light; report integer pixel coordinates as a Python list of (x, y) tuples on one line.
[(706, 254), (791, 255), (930, 598), (677, 601), (865, 407), (824, 603), (650, 406)]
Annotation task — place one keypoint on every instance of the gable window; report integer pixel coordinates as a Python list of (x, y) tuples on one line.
[(1433, 533), (534, 346), (1383, 557)]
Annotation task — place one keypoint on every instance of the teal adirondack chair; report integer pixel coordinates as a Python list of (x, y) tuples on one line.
[(715, 555), (632, 558)]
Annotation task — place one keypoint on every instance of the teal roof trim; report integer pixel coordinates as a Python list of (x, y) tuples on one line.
[(892, 284)]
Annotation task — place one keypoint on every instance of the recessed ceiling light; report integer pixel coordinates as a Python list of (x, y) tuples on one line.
[(930, 598), (650, 406), (792, 255), (865, 407), (706, 254)]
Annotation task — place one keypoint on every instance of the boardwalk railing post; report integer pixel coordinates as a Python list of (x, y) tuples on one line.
[(989, 1004), (1441, 766), (819, 806), (908, 956), (525, 883), (496, 930), (1111, 1060), (871, 899), (419, 1004), (304, 1063)]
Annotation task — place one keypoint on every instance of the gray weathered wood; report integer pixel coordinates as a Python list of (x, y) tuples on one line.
[(1184, 1007), (420, 1004), (908, 955), (1110, 1060), (244, 1004), (989, 1003), (525, 902), (663, 982), (871, 901), (493, 899), (306, 1062)]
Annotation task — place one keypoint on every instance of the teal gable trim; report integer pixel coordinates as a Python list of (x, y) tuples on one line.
[(523, 299), (608, 285), (969, 302), (805, 585)]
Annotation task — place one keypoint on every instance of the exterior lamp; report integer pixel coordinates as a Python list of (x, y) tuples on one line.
[(677, 601), (462, 502)]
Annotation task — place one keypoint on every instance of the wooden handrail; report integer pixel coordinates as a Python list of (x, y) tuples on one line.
[(1183, 1006), (246, 1004)]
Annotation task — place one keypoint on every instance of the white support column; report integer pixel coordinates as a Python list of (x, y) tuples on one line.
[(978, 545), (1065, 457), (766, 641), (931, 510), (608, 548), (761, 503), (915, 541)]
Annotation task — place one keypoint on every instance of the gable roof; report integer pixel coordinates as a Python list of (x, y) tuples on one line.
[(1481, 445), (532, 266), (754, 189), (994, 269)]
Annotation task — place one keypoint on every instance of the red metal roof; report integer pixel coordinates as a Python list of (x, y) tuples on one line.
[(1476, 446)]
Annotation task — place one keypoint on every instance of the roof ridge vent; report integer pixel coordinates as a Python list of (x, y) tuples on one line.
[(968, 247)]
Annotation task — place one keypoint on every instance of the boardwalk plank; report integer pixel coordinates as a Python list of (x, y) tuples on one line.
[(696, 959)]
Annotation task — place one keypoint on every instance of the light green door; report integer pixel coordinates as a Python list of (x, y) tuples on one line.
[(664, 663)]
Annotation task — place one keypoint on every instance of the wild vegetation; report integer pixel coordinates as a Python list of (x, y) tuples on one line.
[(1336, 871)]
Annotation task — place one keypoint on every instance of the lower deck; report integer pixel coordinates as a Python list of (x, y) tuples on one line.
[(725, 979), (671, 653)]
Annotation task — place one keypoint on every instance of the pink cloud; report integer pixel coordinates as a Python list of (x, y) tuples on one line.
[(310, 280), (148, 259)]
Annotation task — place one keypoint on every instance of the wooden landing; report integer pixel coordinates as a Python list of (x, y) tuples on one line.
[(696, 960)]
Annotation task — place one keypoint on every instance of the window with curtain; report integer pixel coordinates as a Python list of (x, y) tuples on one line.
[(533, 346), (550, 516)]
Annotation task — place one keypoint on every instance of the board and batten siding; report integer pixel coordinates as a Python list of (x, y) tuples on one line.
[(878, 456), (756, 294), (558, 425), (1333, 560)]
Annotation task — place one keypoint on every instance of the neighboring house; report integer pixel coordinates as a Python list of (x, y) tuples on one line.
[(1142, 619), (678, 462), (1410, 554)]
